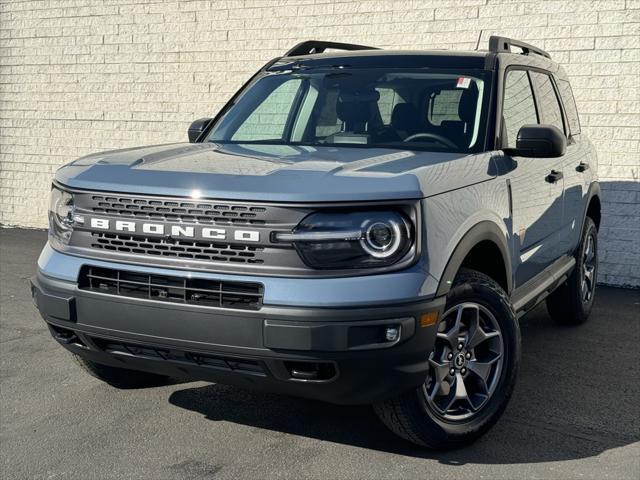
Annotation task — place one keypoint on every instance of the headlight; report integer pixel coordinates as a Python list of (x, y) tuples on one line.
[(61, 215), (331, 240)]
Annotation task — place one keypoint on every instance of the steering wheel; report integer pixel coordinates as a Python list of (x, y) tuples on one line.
[(434, 136)]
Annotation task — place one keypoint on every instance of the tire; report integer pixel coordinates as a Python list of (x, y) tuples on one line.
[(570, 304), (121, 377), (415, 415)]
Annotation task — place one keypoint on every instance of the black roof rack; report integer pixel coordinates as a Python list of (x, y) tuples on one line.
[(504, 44), (315, 46)]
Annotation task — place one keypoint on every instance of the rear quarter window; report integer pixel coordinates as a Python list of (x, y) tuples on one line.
[(569, 105)]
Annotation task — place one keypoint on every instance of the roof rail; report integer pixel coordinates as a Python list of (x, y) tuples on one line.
[(504, 44), (315, 46)]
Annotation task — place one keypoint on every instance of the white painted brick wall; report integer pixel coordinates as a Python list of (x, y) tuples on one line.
[(79, 76)]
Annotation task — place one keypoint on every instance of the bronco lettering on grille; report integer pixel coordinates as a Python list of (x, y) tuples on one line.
[(174, 231)]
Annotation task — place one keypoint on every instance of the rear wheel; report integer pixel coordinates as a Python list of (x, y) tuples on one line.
[(120, 377), (571, 303), (472, 369)]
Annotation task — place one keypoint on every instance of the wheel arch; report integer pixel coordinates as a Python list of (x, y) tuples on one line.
[(477, 249), (593, 205)]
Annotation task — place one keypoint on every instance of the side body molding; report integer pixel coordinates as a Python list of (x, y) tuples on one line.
[(482, 231)]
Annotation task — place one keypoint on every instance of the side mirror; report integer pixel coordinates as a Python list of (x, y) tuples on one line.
[(197, 127), (539, 141)]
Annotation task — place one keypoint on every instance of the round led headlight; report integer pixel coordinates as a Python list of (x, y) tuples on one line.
[(338, 239), (382, 238)]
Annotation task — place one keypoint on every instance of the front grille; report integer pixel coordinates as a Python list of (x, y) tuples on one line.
[(162, 247), (231, 251), (194, 291), (177, 210), (218, 362)]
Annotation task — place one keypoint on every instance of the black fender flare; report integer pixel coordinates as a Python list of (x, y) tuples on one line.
[(482, 231), (594, 191)]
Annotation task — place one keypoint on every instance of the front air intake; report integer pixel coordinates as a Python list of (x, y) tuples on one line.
[(164, 288)]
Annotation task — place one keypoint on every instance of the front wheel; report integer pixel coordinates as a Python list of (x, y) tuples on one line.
[(472, 369)]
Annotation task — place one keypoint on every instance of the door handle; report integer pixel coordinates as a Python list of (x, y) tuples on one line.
[(554, 176), (582, 166)]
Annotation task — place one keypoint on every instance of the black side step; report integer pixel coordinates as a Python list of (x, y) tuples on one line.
[(538, 288)]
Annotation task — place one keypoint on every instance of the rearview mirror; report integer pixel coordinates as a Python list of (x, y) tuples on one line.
[(539, 141), (197, 127)]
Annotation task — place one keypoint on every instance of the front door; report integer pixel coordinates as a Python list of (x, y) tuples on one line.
[(537, 185)]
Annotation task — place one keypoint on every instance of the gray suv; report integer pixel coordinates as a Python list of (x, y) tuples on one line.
[(357, 226)]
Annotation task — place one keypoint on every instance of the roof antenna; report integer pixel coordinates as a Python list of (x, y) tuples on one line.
[(478, 42)]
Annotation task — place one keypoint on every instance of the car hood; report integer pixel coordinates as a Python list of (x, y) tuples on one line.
[(276, 172)]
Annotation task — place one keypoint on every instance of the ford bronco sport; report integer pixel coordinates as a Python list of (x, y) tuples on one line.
[(357, 226)]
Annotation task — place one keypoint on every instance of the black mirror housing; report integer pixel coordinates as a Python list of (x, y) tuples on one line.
[(197, 127), (539, 141)]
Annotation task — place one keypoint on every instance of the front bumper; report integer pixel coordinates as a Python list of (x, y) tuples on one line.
[(331, 354)]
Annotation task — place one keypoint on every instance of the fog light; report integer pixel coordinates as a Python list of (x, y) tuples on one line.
[(391, 334)]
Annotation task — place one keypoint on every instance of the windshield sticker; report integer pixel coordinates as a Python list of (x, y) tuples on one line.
[(463, 82)]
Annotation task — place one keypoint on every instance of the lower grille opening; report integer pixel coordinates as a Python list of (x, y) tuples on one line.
[(232, 364), (194, 291), (311, 370)]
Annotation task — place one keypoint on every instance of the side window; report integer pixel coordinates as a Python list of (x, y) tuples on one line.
[(387, 101), (548, 100), (518, 107), (268, 120), (327, 122), (569, 106), (444, 105)]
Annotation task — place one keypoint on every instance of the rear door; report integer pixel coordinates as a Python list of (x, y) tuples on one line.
[(579, 167), (536, 184)]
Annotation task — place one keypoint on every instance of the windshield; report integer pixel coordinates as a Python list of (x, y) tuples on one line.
[(404, 109)]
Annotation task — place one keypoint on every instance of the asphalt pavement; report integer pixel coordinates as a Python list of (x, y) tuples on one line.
[(575, 412)]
